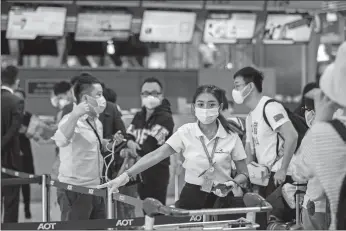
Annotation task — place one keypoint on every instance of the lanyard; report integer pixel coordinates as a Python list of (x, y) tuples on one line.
[(99, 141), (209, 156)]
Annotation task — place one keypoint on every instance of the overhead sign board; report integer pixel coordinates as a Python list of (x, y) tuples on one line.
[(103, 26), (28, 23), (229, 28), (167, 26), (287, 29)]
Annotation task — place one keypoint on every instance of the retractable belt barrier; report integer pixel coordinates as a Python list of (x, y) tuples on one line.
[(151, 207), (21, 178), (98, 223), (46, 182), (78, 189)]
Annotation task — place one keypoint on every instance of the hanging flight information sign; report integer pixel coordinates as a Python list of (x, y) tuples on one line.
[(287, 28), (167, 26), (102, 27), (229, 28), (29, 23)]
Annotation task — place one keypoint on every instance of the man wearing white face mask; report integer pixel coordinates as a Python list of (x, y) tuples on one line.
[(149, 130), (269, 143), (80, 140)]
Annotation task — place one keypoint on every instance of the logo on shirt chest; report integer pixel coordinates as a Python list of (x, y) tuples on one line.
[(220, 151)]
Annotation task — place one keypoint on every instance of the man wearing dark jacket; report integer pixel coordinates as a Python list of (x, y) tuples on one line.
[(11, 112), (149, 129)]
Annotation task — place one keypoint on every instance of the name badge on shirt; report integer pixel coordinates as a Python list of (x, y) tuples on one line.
[(207, 185)]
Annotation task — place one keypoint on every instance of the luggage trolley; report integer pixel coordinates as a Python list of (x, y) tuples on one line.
[(254, 204)]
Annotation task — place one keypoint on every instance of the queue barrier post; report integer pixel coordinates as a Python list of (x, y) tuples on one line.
[(149, 222), (110, 211), (45, 199)]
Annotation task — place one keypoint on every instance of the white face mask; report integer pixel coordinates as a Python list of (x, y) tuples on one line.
[(54, 101), (238, 96), (206, 116), (98, 105), (150, 102), (62, 103), (309, 117)]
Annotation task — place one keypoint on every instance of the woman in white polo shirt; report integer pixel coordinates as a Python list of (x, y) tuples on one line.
[(208, 146)]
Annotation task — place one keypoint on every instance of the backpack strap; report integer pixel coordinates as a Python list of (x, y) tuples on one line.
[(340, 128), (277, 136), (264, 112)]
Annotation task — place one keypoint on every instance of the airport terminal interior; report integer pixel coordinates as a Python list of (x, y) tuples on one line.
[(203, 114)]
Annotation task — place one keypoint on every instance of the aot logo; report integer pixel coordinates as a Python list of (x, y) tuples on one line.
[(46, 226), (196, 218), (126, 222)]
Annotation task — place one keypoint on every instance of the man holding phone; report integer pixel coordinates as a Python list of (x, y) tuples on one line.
[(80, 139)]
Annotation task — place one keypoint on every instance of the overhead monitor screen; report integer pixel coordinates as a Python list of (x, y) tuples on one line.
[(229, 28), (103, 26), (287, 29), (28, 23), (167, 26)]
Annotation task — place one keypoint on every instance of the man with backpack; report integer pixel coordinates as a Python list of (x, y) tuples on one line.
[(271, 137), (324, 146)]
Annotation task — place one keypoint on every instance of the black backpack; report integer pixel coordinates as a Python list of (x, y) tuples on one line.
[(341, 212), (297, 121)]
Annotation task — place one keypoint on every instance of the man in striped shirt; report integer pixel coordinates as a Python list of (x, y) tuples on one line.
[(323, 150)]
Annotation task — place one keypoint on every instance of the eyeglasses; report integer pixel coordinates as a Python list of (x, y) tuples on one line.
[(153, 93)]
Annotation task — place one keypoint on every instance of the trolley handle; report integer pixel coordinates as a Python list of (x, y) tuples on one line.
[(254, 203)]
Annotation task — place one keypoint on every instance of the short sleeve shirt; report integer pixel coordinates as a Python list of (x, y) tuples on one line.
[(264, 139), (186, 140)]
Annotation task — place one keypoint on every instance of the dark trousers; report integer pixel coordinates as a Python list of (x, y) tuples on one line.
[(77, 206), (10, 201), (26, 196), (191, 197), (154, 183), (28, 167), (266, 192)]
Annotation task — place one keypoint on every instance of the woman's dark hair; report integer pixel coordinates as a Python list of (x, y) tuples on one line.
[(305, 102), (219, 94)]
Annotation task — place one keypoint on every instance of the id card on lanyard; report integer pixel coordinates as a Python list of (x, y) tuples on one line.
[(207, 181)]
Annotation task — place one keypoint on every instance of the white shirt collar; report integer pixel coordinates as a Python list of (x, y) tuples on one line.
[(8, 89), (221, 132)]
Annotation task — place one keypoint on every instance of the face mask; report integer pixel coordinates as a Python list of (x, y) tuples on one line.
[(54, 101), (98, 104), (309, 117), (206, 116), (239, 96), (151, 102), (62, 103)]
